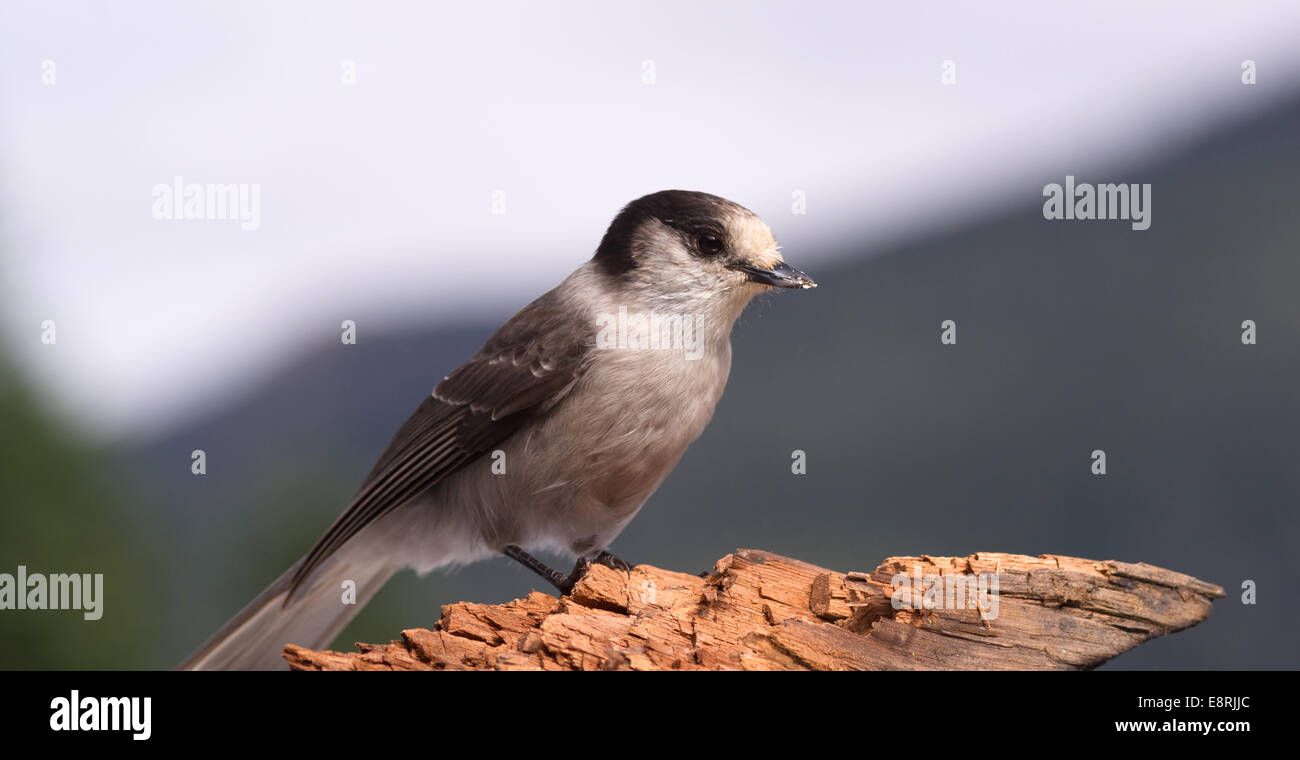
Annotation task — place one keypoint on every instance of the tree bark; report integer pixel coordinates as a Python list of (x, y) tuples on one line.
[(762, 611)]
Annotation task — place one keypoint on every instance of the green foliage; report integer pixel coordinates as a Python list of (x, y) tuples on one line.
[(63, 510)]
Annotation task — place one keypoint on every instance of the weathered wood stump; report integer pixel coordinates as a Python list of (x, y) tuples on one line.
[(762, 611)]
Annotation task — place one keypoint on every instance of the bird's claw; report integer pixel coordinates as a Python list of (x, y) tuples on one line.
[(565, 583), (609, 560)]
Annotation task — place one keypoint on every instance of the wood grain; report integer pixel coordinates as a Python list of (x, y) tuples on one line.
[(763, 611)]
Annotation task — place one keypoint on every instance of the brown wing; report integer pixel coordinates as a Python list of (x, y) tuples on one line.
[(520, 373)]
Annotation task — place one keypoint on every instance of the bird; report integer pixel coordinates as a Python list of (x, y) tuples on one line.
[(550, 438)]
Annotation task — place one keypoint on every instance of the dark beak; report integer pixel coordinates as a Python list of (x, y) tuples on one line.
[(780, 276)]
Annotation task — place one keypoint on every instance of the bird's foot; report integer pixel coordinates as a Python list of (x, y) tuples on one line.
[(609, 560), (583, 566), (565, 583)]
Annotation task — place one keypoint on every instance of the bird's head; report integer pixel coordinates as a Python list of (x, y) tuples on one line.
[(681, 243)]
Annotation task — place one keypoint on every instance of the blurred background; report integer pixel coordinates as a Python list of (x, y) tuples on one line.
[(426, 170)]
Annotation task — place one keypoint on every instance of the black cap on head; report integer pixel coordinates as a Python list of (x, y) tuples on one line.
[(686, 210)]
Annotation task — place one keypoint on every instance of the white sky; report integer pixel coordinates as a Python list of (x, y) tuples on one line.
[(376, 198)]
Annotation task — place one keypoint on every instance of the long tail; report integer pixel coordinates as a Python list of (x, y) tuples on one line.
[(255, 638)]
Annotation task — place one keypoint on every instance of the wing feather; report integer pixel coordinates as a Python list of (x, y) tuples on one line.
[(523, 371)]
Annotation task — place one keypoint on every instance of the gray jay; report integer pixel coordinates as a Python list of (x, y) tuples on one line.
[(552, 436)]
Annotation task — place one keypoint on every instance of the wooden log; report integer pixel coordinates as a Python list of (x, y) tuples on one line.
[(763, 611)]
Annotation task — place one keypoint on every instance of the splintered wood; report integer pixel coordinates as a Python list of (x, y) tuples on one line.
[(762, 611)]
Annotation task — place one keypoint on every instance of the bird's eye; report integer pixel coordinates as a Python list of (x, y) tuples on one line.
[(710, 244)]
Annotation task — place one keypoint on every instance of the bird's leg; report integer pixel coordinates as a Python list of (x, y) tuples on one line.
[(561, 581)]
